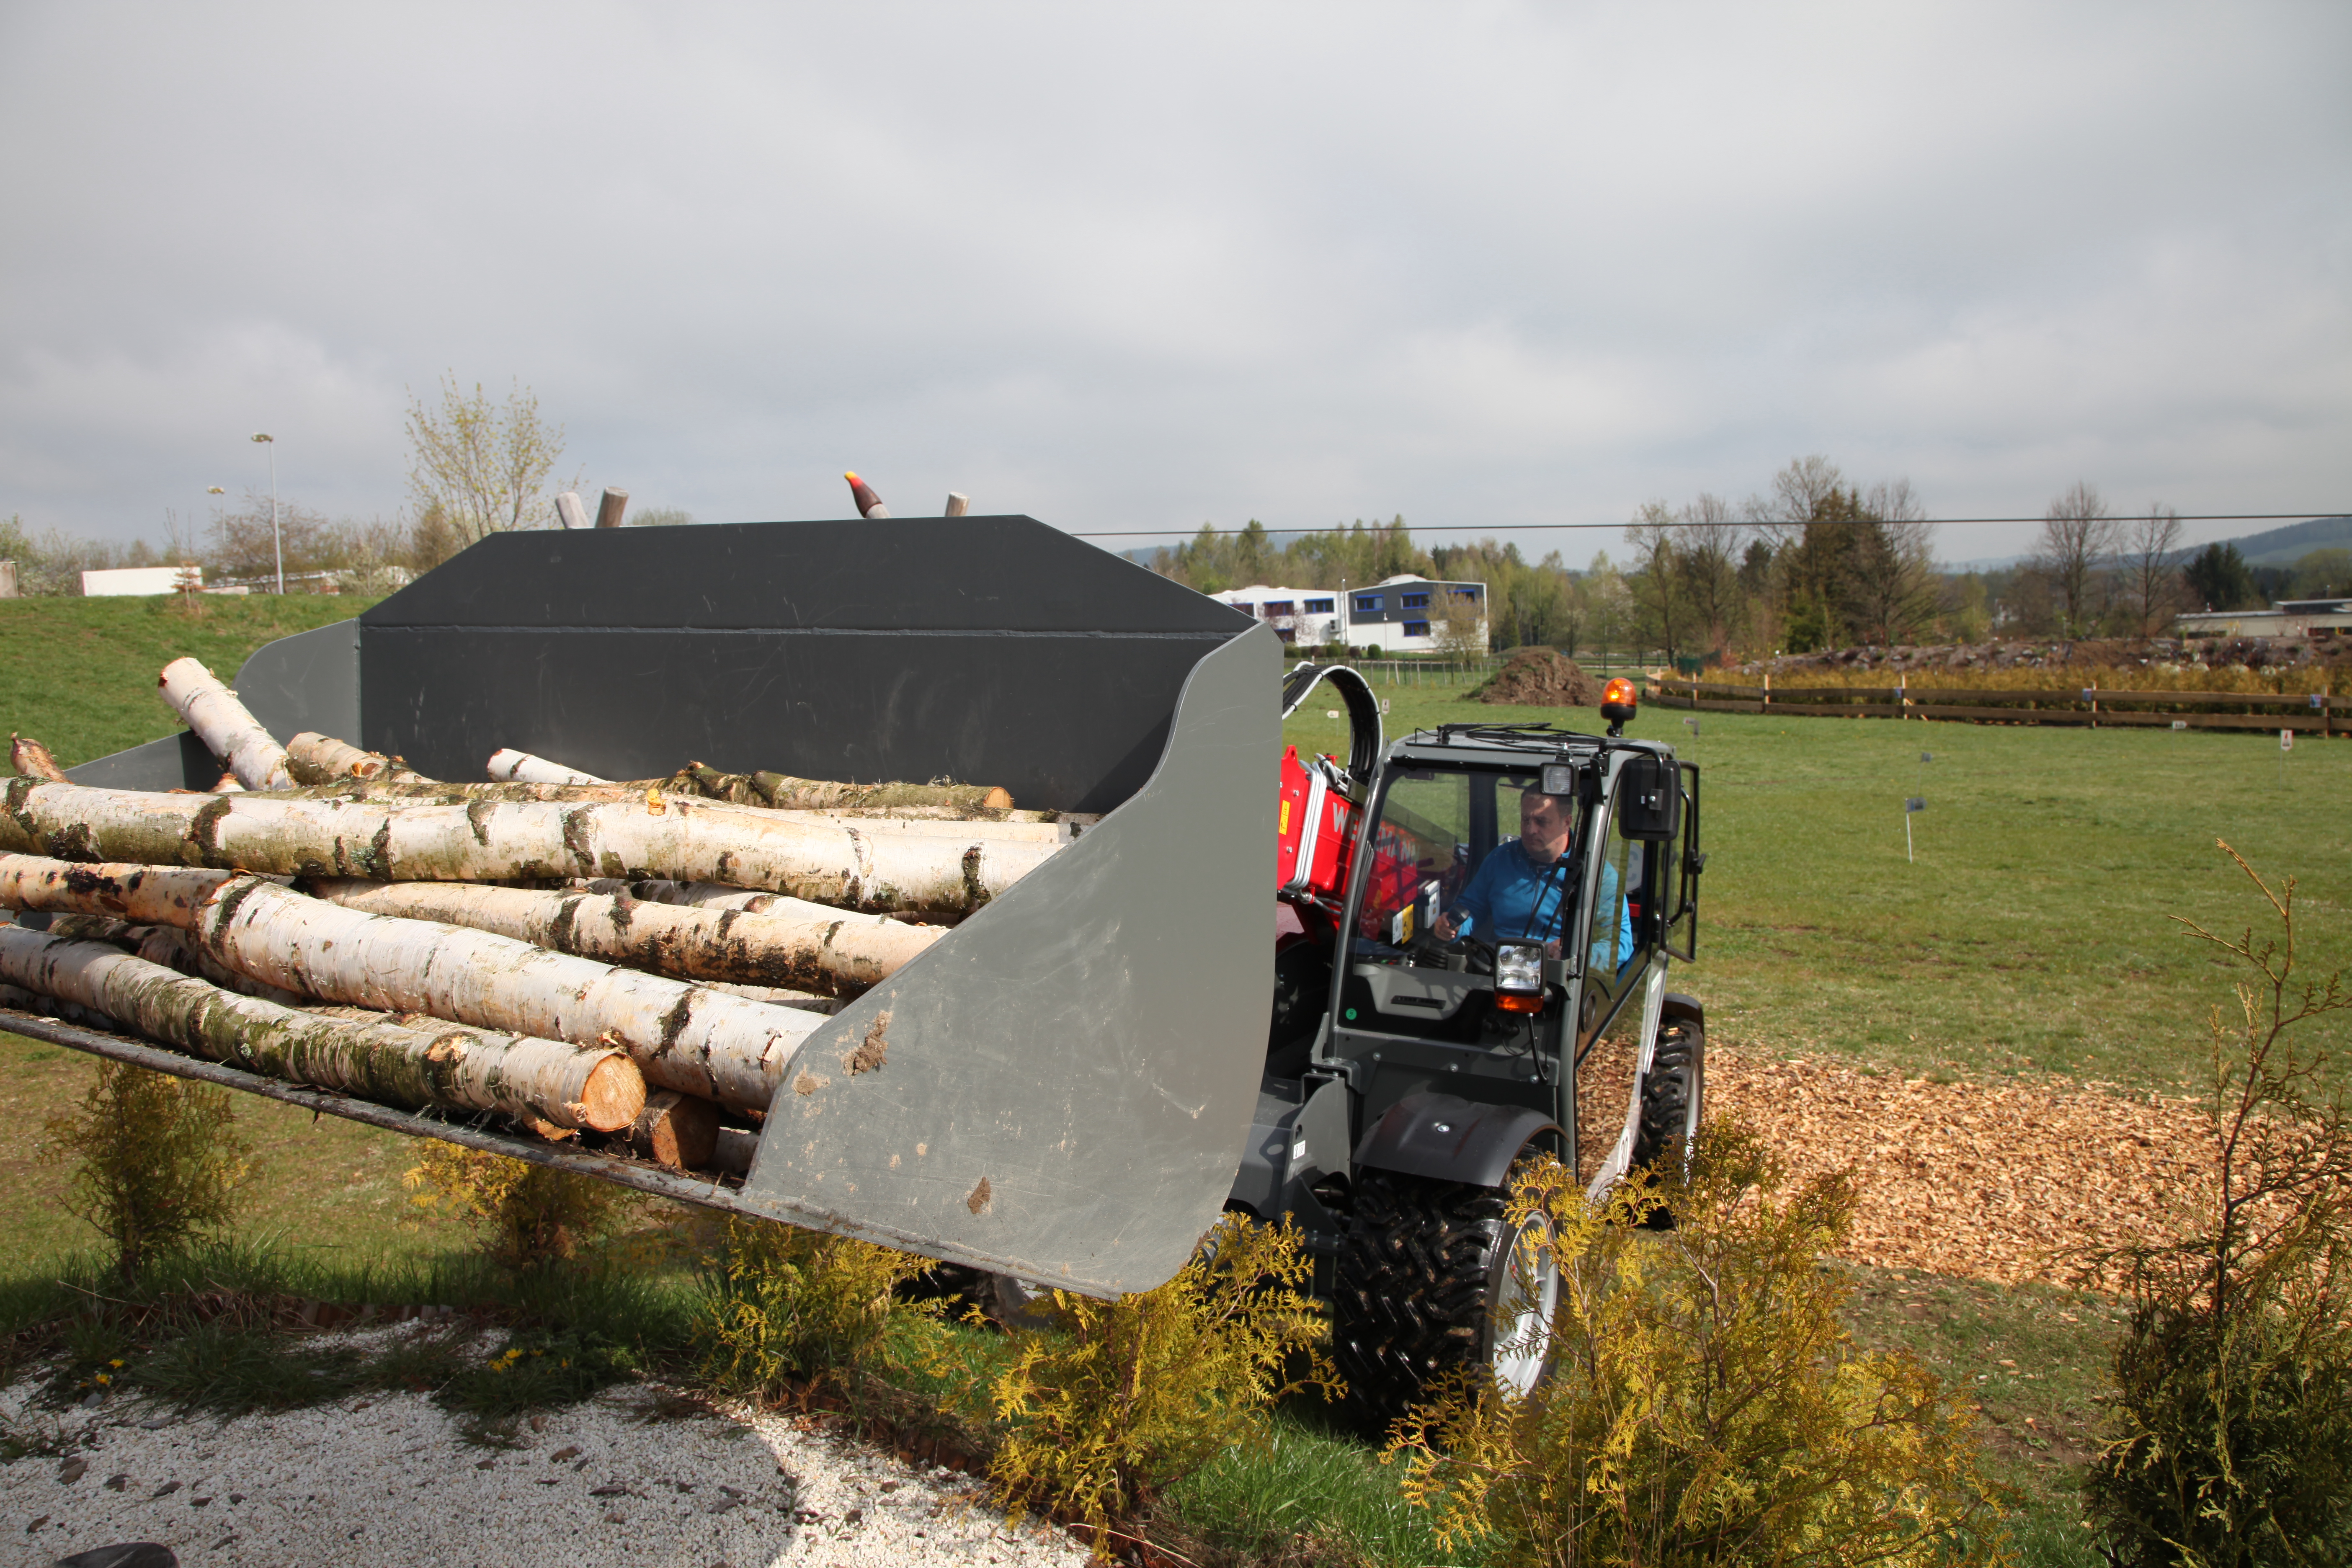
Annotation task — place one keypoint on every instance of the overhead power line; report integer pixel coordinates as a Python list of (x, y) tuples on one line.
[(1729, 522)]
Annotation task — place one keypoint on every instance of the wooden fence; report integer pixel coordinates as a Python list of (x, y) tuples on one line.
[(2306, 712)]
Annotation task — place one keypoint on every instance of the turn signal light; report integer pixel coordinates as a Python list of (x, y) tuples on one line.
[(1519, 977)]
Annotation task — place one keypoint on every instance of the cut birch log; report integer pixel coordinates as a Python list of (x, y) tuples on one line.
[(143, 895), (868, 503), (609, 509), (786, 791), (222, 724), (958, 503), (521, 767), (598, 1087), (33, 1002), (227, 784), (685, 840), (315, 759), (165, 944), (31, 759), (176, 950), (810, 945), (569, 511), (683, 1036), (675, 1129)]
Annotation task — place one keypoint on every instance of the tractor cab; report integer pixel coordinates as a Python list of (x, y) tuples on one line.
[(1503, 911)]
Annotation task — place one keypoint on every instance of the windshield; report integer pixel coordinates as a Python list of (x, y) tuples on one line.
[(1489, 846)]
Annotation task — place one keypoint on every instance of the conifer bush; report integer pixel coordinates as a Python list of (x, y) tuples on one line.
[(1705, 1402), (159, 1161), (785, 1304), (1110, 1401), (2230, 1434)]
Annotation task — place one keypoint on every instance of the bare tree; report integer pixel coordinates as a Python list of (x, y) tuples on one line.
[(2078, 536), (1708, 560), (1657, 588), (480, 468), (2151, 575)]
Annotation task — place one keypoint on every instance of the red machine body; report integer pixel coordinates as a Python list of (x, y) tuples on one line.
[(1314, 828)]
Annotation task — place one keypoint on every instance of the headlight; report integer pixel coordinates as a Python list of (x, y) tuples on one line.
[(1519, 977)]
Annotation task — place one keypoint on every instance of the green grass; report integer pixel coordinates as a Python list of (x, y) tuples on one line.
[(330, 1188), (79, 675), (2031, 935)]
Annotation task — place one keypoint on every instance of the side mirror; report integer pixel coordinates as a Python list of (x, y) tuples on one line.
[(1649, 800)]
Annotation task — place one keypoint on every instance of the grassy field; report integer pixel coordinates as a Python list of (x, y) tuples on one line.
[(80, 674), (2031, 934)]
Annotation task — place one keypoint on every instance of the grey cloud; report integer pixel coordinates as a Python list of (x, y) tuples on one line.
[(1120, 266)]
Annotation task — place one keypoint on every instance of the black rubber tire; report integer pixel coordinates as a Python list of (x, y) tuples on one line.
[(1674, 1082), (1421, 1261)]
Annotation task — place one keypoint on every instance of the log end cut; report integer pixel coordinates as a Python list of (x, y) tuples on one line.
[(677, 1130), (614, 1096)]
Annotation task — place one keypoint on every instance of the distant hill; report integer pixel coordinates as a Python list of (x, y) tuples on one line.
[(2285, 546)]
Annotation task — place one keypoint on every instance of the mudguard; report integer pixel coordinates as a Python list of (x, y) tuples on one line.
[(1450, 1139)]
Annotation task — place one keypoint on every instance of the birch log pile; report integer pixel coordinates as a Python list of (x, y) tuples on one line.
[(500, 841), (682, 1036), (800, 944), (538, 1080), (234, 735)]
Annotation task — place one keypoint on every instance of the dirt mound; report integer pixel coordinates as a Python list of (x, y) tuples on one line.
[(1540, 678)]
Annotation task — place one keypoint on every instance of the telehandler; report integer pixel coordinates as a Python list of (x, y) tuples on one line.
[(1080, 1076)]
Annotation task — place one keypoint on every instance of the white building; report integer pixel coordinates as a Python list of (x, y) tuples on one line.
[(129, 580), (1400, 615), (2290, 618)]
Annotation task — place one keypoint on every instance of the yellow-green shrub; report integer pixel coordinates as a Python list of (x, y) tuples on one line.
[(2230, 1432), (160, 1161), (525, 1214), (786, 1303), (1706, 1404), (1111, 1400)]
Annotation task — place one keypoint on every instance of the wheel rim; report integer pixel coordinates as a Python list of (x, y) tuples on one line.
[(1524, 1299)]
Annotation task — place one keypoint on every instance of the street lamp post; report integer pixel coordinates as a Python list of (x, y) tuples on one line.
[(276, 542)]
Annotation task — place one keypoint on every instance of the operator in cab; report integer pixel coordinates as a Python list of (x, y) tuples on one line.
[(1521, 893)]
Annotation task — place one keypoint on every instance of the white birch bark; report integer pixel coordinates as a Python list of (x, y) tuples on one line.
[(732, 1149), (683, 1036), (497, 841), (535, 1079), (143, 895), (521, 767), (819, 946), (814, 948), (222, 724)]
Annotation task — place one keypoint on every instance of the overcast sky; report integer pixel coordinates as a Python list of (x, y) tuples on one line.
[(1141, 267)]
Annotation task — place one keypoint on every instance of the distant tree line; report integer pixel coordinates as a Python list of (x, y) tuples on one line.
[(1817, 561), (476, 468)]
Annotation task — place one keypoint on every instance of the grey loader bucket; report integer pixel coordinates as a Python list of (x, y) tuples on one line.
[(1058, 1089)]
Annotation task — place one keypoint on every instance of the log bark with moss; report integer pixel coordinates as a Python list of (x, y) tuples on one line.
[(144, 895), (490, 841), (315, 760), (596, 1088), (811, 945), (223, 723), (682, 1036)]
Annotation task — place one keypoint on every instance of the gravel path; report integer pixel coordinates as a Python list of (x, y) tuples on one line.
[(635, 1476)]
